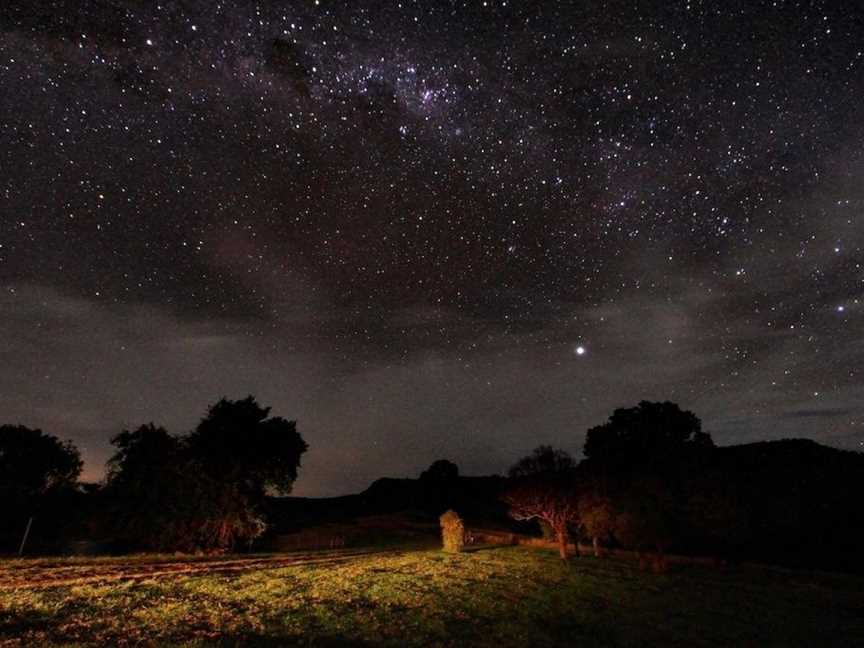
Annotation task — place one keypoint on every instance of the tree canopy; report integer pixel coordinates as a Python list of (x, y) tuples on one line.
[(204, 490), (33, 463), (648, 430), (547, 497), (238, 441), (440, 471), (543, 459)]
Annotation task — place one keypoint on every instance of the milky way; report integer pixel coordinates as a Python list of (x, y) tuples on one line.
[(431, 229)]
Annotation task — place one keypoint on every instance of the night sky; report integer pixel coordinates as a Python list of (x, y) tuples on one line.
[(431, 229)]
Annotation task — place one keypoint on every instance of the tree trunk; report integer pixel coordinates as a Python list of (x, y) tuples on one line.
[(562, 543), (660, 561)]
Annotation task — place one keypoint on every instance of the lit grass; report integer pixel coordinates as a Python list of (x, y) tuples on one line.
[(497, 597)]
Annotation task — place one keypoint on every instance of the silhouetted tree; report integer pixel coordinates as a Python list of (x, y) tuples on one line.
[(716, 513), (206, 490), (152, 489), (646, 432), (543, 459), (641, 462), (239, 443), (439, 487), (241, 453), (649, 517), (33, 463), (37, 475), (37, 470), (440, 471), (141, 456), (547, 497)]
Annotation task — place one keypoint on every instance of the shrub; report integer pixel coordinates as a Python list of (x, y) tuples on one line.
[(452, 532)]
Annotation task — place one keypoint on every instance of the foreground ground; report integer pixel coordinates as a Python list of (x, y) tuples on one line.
[(497, 597)]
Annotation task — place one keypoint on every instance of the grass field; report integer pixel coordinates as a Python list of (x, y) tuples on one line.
[(504, 596)]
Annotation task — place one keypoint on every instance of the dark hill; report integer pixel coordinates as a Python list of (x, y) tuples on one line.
[(802, 501), (474, 497)]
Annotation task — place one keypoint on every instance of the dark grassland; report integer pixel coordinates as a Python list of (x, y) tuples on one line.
[(504, 596)]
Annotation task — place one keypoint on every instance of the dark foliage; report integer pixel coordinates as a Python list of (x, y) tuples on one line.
[(649, 431), (669, 488), (154, 492), (643, 464), (37, 472), (543, 459), (441, 471), (33, 463), (206, 490), (236, 442)]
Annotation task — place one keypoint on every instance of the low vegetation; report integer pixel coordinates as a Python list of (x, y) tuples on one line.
[(452, 532), (504, 596)]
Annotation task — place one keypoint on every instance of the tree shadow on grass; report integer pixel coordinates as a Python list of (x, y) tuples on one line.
[(271, 641), (484, 548), (14, 624)]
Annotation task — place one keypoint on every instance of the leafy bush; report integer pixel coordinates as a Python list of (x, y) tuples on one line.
[(452, 531)]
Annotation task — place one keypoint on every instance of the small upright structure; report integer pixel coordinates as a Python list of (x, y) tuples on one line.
[(452, 532)]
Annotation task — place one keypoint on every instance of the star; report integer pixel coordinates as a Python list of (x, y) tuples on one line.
[(381, 194)]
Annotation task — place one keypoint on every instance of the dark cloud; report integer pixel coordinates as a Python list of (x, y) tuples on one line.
[(823, 413)]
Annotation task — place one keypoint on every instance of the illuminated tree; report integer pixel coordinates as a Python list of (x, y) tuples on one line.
[(597, 517), (550, 498)]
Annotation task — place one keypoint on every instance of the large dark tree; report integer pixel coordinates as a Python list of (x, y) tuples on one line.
[(33, 463), (543, 459), (206, 490), (141, 457), (152, 488), (239, 443), (439, 487), (647, 431), (441, 471), (642, 464), (36, 471)]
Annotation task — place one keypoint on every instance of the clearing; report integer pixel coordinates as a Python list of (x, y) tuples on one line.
[(502, 596)]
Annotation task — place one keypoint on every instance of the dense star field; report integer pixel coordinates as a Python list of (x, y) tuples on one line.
[(431, 229)]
